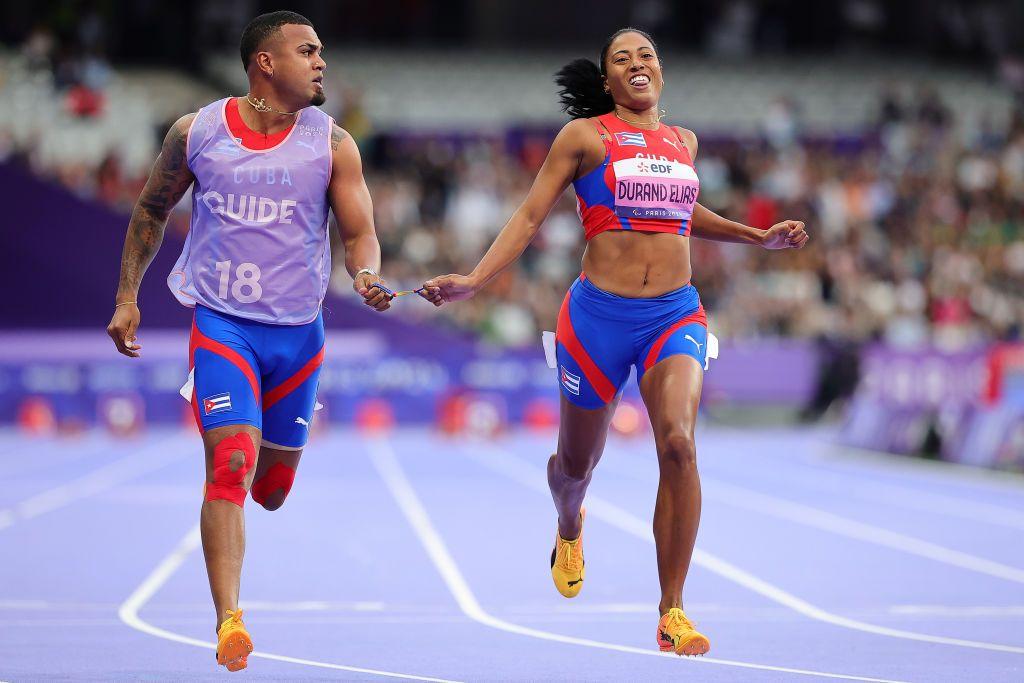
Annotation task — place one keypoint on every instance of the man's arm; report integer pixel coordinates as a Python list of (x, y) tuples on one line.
[(350, 201), (168, 181)]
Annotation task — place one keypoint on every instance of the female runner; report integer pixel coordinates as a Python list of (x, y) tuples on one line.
[(633, 304)]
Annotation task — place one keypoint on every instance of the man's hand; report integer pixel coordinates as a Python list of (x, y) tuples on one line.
[(122, 329), (785, 235), (445, 288), (374, 297)]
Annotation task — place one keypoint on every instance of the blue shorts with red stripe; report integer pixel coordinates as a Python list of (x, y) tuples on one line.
[(253, 373), (600, 335)]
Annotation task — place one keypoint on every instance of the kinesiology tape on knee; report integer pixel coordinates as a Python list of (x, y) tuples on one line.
[(278, 478), (233, 457)]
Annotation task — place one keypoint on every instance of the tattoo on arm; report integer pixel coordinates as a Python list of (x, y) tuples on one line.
[(168, 181), (337, 135)]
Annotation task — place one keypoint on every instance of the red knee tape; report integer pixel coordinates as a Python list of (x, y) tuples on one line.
[(228, 483), (278, 477)]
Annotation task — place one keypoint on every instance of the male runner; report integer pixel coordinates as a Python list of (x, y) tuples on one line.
[(266, 169)]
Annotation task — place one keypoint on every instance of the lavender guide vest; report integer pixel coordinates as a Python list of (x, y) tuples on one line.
[(257, 246)]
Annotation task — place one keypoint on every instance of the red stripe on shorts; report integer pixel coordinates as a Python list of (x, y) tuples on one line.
[(697, 316), (191, 369), (567, 336), (292, 383), (198, 340)]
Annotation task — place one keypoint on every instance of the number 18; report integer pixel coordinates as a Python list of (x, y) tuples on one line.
[(247, 275)]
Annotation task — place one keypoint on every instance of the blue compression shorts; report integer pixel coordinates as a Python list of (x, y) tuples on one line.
[(253, 373), (600, 335)]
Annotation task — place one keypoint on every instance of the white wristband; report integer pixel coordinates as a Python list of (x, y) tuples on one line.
[(369, 271)]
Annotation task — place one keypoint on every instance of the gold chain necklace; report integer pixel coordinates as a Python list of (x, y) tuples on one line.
[(260, 105), (656, 122)]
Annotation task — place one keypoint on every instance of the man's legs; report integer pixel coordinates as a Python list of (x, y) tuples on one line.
[(230, 465)]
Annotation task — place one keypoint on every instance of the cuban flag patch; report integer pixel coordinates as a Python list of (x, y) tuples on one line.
[(217, 404), (634, 139), (570, 381)]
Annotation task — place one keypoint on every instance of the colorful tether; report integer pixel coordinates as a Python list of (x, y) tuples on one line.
[(401, 292)]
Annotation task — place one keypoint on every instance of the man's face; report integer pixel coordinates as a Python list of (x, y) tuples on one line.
[(298, 64)]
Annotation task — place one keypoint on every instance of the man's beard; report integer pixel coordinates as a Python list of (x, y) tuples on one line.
[(318, 99)]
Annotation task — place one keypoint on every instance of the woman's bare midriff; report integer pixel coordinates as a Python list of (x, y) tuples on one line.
[(637, 264)]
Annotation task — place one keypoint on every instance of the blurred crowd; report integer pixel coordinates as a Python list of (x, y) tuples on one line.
[(63, 63), (916, 224), (918, 229), (75, 59)]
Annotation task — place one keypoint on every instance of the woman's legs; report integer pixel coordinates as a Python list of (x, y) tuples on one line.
[(671, 390), (581, 437), (581, 440)]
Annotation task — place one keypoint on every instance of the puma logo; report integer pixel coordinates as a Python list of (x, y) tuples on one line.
[(300, 421), (573, 583), (695, 342), (308, 145)]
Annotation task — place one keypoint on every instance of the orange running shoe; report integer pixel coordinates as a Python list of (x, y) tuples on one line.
[(677, 634), (233, 642), (567, 568)]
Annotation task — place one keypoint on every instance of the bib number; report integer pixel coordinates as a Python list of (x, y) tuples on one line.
[(246, 287), (646, 188)]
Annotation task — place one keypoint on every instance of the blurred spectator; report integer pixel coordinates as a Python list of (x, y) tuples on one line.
[(917, 238), (38, 49), (353, 116), (917, 229)]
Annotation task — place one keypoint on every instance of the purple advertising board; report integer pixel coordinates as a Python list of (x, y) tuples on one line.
[(64, 262), (913, 400), (75, 371)]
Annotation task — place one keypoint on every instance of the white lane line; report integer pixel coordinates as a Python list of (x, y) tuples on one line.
[(814, 476), (310, 606), (254, 605), (383, 457), (346, 612), (935, 503), (512, 466), (149, 459), (820, 473), (129, 614), (799, 513), (948, 472), (959, 611), (36, 456), (817, 473), (761, 503)]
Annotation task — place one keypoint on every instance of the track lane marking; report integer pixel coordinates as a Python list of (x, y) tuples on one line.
[(97, 481), (128, 613), (383, 458), (746, 498), (511, 465)]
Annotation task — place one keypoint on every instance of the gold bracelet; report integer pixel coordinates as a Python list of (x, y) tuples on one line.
[(125, 303)]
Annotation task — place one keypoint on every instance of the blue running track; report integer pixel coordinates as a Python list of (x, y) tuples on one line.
[(413, 555)]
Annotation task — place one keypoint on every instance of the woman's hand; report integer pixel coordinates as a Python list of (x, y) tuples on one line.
[(447, 288), (785, 235)]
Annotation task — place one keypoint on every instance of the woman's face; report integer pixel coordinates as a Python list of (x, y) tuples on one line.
[(633, 72)]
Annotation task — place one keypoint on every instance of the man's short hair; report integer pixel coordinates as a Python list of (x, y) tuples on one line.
[(264, 26)]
